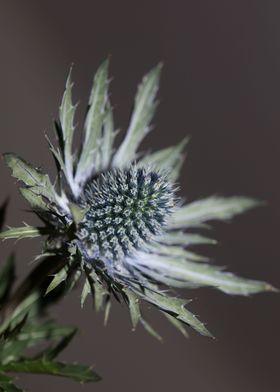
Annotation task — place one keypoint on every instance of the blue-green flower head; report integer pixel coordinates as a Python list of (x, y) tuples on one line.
[(126, 210)]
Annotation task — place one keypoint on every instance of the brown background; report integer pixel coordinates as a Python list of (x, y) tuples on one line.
[(221, 84)]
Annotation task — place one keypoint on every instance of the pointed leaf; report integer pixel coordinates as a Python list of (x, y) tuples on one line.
[(182, 272), (66, 118), (134, 308), (74, 371), (176, 307), (93, 124), (143, 111), (58, 278), (108, 305), (150, 329), (185, 239), (22, 232), (30, 176), (211, 208), (85, 292), (99, 292), (176, 251), (36, 201)]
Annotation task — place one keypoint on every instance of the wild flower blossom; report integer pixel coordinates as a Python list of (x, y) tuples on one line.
[(115, 216)]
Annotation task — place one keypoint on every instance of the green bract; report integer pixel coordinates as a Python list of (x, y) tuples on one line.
[(113, 217)]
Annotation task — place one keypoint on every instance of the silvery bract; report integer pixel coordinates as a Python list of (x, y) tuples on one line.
[(114, 215)]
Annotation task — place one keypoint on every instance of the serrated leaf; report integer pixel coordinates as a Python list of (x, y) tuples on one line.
[(174, 251), (7, 278), (36, 201), (168, 160), (211, 208), (143, 111), (74, 371), (175, 307), (182, 272), (185, 239), (134, 307), (93, 124), (56, 153), (66, 119), (22, 232), (30, 176)]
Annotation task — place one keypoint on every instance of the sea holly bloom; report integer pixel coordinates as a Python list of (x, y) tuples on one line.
[(115, 218)]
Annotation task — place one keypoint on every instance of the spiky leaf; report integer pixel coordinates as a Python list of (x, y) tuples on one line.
[(211, 208), (36, 201), (30, 176), (74, 371), (185, 239), (66, 119), (176, 307), (22, 232), (150, 329), (134, 308), (144, 108), (58, 278), (93, 124), (98, 291), (85, 292), (180, 272)]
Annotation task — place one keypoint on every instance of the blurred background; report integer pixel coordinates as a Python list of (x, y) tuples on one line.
[(221, 85)]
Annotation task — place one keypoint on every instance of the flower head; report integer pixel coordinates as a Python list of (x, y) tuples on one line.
[(114, 214), (126, 209)]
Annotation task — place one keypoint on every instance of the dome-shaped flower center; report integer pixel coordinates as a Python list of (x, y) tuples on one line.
[(126, 209)]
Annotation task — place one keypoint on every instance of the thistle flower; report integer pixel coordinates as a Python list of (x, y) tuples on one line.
[(115, 217)]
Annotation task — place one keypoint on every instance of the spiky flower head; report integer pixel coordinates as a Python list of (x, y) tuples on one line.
[(114, 214), (126, 210)]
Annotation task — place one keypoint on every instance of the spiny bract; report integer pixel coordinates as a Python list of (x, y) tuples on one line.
[(114, 216)]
